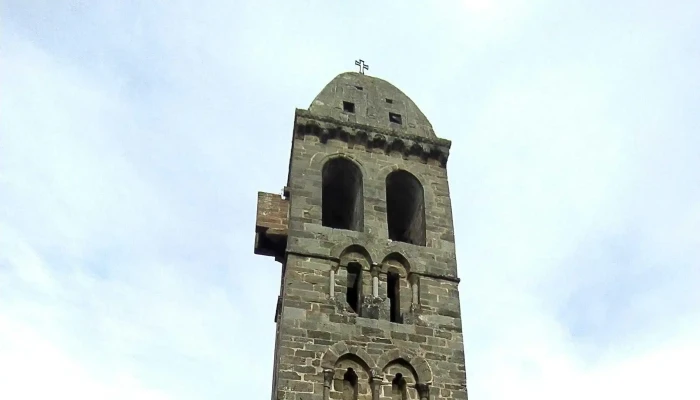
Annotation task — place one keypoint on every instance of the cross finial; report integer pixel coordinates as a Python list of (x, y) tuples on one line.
[(362, 65)]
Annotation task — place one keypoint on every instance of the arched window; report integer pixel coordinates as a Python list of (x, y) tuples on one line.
[(405, 208), (353, 294), (341, 197), (393, 293), (350, 385), (398, 388)]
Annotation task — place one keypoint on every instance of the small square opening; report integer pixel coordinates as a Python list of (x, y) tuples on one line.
[(395, 118), (390, 101), (348, 107)]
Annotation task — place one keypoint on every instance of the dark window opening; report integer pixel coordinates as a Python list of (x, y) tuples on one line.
[(348, 107), (390, 101), (341, 195), (353, 294), (395, 118), (405, 208), (393, 295), (350, 385), (398, 388), (358, 87)]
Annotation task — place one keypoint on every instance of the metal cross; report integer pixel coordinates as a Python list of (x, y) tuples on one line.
[(362, 65)]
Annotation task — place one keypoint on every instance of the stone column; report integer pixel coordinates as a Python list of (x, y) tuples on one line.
[(332, 284), (423, 391), (375, 280), (327, 381), (376, 382), (413, 279)]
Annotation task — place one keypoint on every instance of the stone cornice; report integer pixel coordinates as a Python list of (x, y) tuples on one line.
[(323, 127)]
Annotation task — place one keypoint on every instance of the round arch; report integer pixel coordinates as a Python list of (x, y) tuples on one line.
[(386, 170), (398, 257), (341, 349), (424, 373), (339, 250), (320, 159)]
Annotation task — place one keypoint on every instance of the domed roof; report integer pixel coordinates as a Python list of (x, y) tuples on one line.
[(371, 101)]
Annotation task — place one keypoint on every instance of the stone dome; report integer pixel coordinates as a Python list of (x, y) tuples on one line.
[(371, 101)]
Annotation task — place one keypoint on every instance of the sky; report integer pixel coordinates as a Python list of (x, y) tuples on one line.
[(134, 137)]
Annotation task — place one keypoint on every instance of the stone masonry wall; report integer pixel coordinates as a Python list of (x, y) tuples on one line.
[(271, 224), (312, 322), (319, 336), (309, 155), (272, 212)]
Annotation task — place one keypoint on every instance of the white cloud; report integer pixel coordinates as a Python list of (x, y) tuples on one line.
[(126, 224), (33, 368)]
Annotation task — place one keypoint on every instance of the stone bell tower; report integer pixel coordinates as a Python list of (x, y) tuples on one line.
[(369, 305)]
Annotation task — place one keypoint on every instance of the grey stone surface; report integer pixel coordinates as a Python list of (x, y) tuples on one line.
[(372, 99), (319, 336)]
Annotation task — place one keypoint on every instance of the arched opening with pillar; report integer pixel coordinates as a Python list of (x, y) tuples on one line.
[(348, 373), (409, 376)]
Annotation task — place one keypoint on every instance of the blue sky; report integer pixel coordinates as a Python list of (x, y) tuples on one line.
[(134, 137)]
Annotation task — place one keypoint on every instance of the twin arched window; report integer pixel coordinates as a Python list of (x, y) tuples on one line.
[(350, 386), (342, 201), (350, 379)]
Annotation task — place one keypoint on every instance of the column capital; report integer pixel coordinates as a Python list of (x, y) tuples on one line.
[(328, 377), (327, 381), (423, 390)]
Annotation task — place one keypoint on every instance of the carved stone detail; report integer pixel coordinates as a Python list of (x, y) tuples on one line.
[(326, 128)]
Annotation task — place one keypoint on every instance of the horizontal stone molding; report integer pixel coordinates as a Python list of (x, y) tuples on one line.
[(337, 260), (325, 128)]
